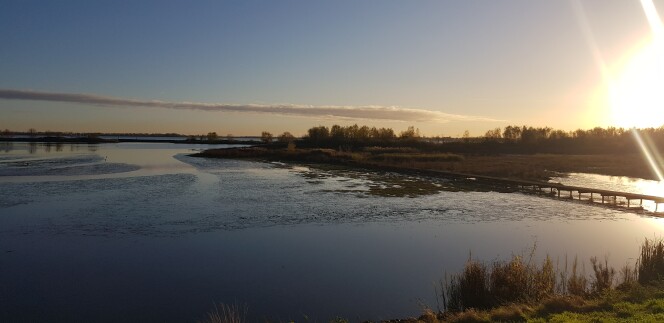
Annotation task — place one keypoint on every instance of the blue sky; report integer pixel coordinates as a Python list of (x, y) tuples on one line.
[(487, 63)]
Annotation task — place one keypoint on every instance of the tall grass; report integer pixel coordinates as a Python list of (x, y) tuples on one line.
[(224, 313), (577, 283), (482, 286), (651, 261), (603, 274)]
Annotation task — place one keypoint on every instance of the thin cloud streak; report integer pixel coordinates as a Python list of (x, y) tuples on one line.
[(392, 113)]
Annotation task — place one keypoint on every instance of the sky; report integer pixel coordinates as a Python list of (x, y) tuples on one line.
[(241, 67)]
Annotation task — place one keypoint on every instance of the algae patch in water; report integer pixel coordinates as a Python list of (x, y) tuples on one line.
[(371, 183)]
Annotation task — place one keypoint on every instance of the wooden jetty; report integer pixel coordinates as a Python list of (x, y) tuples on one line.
[(535, 187), (567, 191)]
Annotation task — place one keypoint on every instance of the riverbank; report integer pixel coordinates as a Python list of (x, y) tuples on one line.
[(537, 167)]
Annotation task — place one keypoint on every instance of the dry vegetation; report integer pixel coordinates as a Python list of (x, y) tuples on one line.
[(519, 291), (531, 167)]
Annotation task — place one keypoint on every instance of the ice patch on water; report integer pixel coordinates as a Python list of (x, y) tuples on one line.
[(62, 166)]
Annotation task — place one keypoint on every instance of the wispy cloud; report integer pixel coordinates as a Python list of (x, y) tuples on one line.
[(349, 112)]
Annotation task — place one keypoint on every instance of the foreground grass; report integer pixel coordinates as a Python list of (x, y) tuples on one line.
[(530, 167), (521, 291), (635, 304)]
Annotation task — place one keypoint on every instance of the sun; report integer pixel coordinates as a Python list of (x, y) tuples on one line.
[(636, 88)]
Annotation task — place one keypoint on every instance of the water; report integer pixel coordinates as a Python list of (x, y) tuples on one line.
[(142, 232)]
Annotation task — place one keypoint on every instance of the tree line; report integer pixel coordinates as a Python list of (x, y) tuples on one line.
[(510, 139)]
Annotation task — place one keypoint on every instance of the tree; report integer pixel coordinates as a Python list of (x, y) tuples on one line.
[(493, 134), (212, 136), (512, 133), (32, 132), (266, 137), (286, 137), (410, 133), (319, 133)]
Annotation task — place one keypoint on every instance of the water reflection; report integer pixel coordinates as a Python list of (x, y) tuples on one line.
[(32, 147)]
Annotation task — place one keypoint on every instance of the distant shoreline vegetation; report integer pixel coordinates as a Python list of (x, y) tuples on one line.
[(515, 152), (508, 140)]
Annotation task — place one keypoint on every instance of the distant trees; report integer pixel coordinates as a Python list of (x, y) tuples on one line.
[(494, 134), (512, 133), (32, 132), (266, 137), (286, 137), (466, 136), (352, 136), (318, 134), (6, 133), (212, 136), (410, 133)]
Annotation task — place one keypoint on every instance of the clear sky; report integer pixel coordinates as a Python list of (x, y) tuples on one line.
[(240, 67)]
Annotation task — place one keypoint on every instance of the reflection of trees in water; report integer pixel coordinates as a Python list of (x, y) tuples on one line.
[(73, 147), (93, 147), (47, 147), (32, 147), (7, 146), (58, 146)]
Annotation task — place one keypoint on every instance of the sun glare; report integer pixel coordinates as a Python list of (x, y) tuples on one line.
[(636, 87)]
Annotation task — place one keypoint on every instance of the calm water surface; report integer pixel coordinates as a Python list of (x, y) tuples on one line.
[(142, 232)]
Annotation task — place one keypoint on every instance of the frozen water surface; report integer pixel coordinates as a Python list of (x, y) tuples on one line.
[(143, 232)]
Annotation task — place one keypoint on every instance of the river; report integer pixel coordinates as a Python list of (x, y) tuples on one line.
[(143, 232)]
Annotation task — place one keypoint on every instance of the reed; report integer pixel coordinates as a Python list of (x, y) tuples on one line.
[(603, 274), (224, 313), (650, 266), (482, 287)]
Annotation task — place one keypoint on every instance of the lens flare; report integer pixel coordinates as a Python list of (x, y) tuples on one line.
[(636, 95), (648, 154)]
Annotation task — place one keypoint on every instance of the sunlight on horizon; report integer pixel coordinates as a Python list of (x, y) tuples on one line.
[(635, 87)]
